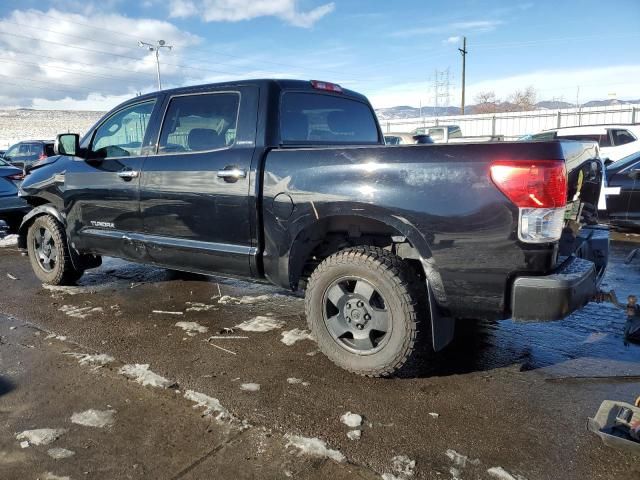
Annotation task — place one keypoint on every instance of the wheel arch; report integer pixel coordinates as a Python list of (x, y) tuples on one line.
[(43, 209), (330, 234)]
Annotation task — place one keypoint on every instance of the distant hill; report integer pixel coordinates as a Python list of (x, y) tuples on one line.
[(405, 111)]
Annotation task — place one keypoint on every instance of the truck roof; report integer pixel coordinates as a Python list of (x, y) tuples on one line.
[(281, 84)]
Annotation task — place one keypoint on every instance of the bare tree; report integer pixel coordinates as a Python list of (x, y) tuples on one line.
[(523, 100), (486, 102)]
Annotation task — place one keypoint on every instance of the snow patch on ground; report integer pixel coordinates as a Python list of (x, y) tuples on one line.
[(99, 359), (354, 434), (211, 405), (60, 453), (403, 466), (247, 299), (94, 418), (297, 381), (199, 307), (261, 324), (250, 387), (141, 374), (292, 336), (79, 312), (41, 436), (9, 241), (51, 476), (192, 328), (460, 460), (351, 420), (501, 474), (314, 447), (62, 338)]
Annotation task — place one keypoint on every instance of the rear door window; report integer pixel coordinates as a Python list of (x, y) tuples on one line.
[(314, 118), (622, 137), (200, 123)]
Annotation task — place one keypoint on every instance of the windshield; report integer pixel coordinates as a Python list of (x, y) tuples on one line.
[(307, 118)]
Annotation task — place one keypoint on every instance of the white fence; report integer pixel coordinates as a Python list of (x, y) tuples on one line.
[(515, 124)]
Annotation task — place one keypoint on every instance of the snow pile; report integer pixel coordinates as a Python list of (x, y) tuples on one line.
[(403, 466), (292, 336), (79, 312), (460, 460), (62, 338), (60, 453), (41, 436), (250, 387), (245, 300), (354, 434), (501, 474), (351, 420), (51, 476), (141, 374), (199, 307), (212, 405), (99, 359), (94, 418), (9, 241), (314, 447), (192, 328), (297, 381), (261, 324)]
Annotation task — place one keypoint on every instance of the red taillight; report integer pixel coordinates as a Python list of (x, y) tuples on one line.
[(532, 183), (16, 177), (331, 87), (42, 156)]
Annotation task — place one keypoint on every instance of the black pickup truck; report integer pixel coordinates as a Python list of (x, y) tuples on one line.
[(290, 181)]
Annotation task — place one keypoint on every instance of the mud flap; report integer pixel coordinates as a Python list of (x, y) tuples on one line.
[(442, 327)]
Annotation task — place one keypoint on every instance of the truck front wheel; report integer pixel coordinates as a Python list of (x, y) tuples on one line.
[(364, 306), (49, 253)]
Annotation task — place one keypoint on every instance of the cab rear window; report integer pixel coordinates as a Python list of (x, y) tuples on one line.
[(313, 118)]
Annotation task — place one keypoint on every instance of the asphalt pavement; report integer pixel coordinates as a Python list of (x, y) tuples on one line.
[(141, 373)]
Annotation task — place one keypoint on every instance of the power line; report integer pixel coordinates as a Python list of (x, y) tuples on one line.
[(62, 69)]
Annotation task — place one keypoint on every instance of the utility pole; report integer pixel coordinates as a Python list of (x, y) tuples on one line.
[(156, 48), (463, 52)]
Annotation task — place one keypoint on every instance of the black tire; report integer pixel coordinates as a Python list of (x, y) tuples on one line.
[(49, 254), (396, 304)]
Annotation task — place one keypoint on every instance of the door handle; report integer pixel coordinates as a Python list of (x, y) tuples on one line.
[(128, 174), (232, 174)]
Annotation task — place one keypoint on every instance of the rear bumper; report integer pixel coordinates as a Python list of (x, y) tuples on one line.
[(570, 287)]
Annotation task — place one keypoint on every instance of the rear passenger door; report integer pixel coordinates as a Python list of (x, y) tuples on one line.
[(194, 192)]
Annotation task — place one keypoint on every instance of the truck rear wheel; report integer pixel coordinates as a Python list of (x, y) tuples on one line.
[(49, 253), (364, 308)]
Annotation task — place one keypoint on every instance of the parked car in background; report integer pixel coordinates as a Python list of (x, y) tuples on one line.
[(399, 138), (616, 141), (453, 134), (12, 207), (623, 208), (27, 153)]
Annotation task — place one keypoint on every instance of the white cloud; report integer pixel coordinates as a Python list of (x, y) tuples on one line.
[(595, 84), (61, 57), (452, 40), (238, 10), (474, 26)]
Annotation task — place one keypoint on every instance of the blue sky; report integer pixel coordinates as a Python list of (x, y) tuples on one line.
[(83, 54)]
